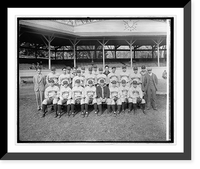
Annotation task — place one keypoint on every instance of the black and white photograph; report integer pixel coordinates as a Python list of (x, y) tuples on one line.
[(98, 83), (95, 79)]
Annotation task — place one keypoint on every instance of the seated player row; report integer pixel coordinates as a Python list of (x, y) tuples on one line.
[(91, 95), (95, 75)]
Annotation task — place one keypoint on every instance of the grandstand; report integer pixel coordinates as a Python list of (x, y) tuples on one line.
[(113, 42)]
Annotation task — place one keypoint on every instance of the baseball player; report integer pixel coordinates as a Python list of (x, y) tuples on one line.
[(101, 76), (113, 76), (83, 74), (52, 76), (95, 70), (124, 75), (90, 97), (115, 97), (65, 76), (135, 76), (77, 97), (74, 72), (81, 78), (136, 97), (65, 98), (90, 76), (106, 72), (124, 93), (103, 95), (51, 97)]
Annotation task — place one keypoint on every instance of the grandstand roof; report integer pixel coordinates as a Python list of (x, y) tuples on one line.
[(117, 31)]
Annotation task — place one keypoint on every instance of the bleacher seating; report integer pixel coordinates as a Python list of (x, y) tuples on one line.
[(26, 66)]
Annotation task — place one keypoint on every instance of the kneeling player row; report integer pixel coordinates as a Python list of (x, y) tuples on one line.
[(92, 95)]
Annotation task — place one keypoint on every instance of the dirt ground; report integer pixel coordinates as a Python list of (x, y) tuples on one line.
[(107, 127)]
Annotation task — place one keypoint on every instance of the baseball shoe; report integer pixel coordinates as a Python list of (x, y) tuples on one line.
[(155, 108), (86, 114), (43, 115), (73, 114), (83, 114)]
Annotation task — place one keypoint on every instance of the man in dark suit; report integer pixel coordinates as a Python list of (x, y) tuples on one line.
[(39, 82), (150, 88)]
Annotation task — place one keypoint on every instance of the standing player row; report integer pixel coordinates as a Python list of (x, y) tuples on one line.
[(95, 75)]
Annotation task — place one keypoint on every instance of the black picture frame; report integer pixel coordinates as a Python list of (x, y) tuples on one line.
[(186, 155)]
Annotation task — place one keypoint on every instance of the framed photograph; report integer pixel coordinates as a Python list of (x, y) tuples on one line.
[(93, 86)]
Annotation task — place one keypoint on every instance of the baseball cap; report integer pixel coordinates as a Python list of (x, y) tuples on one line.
[(90, 68), (101, 69), (135, 68), (114, 82), (123, 67), (102, 81), (95, 66), (143, 67), (134, 82), (123, 81), (149, 68), (53, 68), (78, 81), (114, 67), (65, 82), (78, 71), (51, 81), (82, 68), (90, 82), (68, 68)]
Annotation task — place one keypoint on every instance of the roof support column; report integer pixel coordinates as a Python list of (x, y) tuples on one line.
[(74, 43), (158, 42), (49, 39), (131, 49), (103, 46)]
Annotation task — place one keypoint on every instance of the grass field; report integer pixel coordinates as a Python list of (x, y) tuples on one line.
[(107, 127)]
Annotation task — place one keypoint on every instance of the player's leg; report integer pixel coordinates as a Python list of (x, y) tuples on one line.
[(119, 104), (95, 105), (72, 107), (135, 104), (143, 106), (59, 106), (44, 105), (82, 107), (86, 106), (68, 106), (113, 104), (123, 104), (55, 101), (99, 105), (130, 104), (108, 102)]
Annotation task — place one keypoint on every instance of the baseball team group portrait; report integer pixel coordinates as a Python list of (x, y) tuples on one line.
[(94, 80)]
